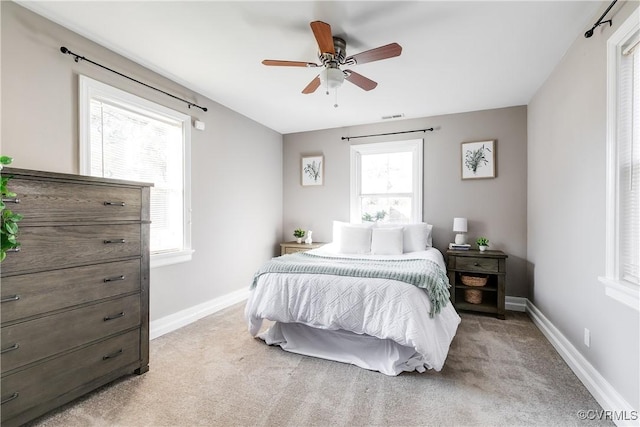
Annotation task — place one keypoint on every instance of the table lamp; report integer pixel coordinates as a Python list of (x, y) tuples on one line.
[(460, 227)]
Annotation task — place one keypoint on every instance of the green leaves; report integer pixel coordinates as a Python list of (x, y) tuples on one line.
[(6, 160), (9, 219), (482, 241)]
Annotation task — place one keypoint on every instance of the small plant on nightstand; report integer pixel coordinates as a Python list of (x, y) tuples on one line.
[(483, 243), (298, 233)]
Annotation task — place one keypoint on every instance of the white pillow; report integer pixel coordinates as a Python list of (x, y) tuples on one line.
[(337, 229), (387, 241), (417, 237), (355, 239)]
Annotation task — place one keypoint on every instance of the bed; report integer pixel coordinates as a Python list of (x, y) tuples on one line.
[(376, 297)]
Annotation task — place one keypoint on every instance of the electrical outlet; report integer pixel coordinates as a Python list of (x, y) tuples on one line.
[(587, 337)]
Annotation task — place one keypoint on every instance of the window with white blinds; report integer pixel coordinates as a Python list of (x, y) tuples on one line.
[(127, 137), (629, 162), (622, 276), (386, 182)]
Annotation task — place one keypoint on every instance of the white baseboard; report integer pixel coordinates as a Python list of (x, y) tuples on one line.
[(515, 303), (600, 388), (182, 318)]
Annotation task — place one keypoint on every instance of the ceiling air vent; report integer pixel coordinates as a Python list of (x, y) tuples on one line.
[(393, 116)]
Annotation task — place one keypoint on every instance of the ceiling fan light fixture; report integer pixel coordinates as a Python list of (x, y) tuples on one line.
[(332, 78)]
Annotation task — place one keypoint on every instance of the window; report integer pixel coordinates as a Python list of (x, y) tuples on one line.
[(386, 182), (126, 137), (623, 164)]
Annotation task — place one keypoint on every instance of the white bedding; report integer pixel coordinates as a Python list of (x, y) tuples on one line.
[(336, 317)]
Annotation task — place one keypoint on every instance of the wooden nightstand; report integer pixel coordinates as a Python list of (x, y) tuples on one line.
[(472, 263), (293, 247)]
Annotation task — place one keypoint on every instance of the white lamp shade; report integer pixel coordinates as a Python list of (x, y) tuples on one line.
[(332, 77), (460, 225)]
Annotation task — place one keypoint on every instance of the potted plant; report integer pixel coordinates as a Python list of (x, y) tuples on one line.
[(483, 243), (9, 225), (298, 233)]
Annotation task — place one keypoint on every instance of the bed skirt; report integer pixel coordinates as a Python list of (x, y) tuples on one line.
[(365, 351)]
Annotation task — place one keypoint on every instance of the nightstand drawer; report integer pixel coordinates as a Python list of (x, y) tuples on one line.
[(294, 250), (477, 264)]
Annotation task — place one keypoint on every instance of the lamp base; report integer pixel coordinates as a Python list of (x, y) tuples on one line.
[(461, 239)]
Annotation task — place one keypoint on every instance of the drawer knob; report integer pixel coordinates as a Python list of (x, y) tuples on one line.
[(112, 355), (475, 264), (114, 279), (10, 348), (106, 242), (114, 316), (10, 298), (114, 203), (10, 398), (11, 200)]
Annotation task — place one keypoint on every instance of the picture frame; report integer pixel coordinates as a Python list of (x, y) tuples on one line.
[(478, 159), (312, 170)]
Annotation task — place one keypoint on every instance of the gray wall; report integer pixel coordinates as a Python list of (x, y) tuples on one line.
[(566, 209), (40, 130), (496, 208)]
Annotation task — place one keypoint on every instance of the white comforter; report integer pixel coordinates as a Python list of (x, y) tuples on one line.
[(393, 311)]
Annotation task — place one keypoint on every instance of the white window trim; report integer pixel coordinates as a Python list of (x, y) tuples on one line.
[(90, 88), (413, 145), (620, 290)]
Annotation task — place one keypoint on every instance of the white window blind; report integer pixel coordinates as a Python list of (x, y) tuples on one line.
[(126, 137), (629, 162), (622, 254), (386, 182)]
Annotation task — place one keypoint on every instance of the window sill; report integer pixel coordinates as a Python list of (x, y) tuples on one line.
[(162, 259), (622, 292)]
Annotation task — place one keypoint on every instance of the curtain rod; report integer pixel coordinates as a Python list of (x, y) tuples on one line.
[(385, 134), (600, 21), (77, 58)]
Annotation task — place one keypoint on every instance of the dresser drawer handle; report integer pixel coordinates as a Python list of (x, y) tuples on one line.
[(475, 264), (114, 203), (10, 298), (11, 200), (106, 242), (114, 316), (10, 348), (112, 355), (114, 279), (10, 398), (13, 249)]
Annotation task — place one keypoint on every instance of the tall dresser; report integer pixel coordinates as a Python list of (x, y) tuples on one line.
[(75, 296)]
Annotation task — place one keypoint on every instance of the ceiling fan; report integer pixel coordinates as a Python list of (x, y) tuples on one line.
[(333, 54)]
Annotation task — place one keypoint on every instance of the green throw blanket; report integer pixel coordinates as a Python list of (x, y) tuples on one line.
[(423, 273)]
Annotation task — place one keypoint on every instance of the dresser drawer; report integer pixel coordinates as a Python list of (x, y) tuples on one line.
[(477, 264), (37, 293), (44, 248), (51, 201), (46, 381), (30, 341)]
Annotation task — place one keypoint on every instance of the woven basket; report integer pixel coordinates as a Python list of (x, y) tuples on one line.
[(471, 295)]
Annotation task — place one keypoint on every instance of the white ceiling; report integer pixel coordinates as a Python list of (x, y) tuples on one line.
[(457, 56)]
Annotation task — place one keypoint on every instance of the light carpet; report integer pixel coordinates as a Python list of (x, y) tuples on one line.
[(213, 373)]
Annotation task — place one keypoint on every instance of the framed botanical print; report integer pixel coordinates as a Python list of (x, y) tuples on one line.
[(312, 170), (478, 159)]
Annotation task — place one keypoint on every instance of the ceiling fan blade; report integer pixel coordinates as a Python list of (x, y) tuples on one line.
[(322, 32), (360, 80), (278, 63), (312, 86), (382, 52)]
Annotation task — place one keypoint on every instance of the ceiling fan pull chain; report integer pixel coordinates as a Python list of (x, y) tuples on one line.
[(336, 103)]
